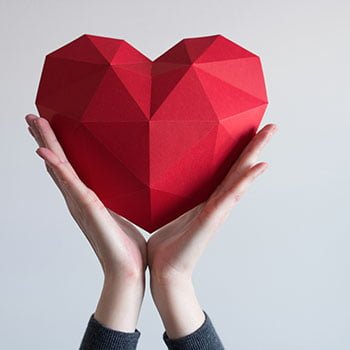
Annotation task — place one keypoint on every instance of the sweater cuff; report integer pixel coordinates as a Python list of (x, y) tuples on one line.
[(204, 338), (100, 337)]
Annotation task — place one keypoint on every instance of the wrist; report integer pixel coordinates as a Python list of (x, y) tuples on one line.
[(114, 277), (177, 305), (119, 305), (118, 272), (167, 292), (169, 281)]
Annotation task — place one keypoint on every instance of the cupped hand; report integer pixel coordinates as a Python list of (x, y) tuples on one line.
[(174, 250), (120, 248)]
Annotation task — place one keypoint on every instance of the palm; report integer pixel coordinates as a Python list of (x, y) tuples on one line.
[(134, 244), (164, 246)]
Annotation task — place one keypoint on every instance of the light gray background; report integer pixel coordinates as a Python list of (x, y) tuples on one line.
[(276, 275)]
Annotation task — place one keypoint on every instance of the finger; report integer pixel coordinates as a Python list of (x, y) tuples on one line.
[(54, 177), (81, 200), (218, 206), (252, 151), (68, 181), (248, 157), (226, 200), (214, 213), (47, 138), (33, 130)]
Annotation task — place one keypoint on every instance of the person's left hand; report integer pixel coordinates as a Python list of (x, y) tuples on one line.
[(119, 246)]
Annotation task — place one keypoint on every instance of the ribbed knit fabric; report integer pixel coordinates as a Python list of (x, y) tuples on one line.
[(99, 337), (204, 338)]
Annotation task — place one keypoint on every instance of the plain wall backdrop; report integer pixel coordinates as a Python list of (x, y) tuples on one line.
[(275, 276)]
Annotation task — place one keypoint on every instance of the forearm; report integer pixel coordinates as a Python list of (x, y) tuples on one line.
[(120, 302), (177, 305)]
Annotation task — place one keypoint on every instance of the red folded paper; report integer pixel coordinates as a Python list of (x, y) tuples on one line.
[(152, 138)]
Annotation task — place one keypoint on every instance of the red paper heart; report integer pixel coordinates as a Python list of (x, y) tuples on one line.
[(152, 139)]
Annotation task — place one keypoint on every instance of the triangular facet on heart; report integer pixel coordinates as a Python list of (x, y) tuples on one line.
[(241, 73), (195, 47), (164, 84), (171, 140), (191, 171), (226, 100), (245, 122), (81, 50), (164, 207), (127, 54), (101, 167), (139, 201), (187, 100), (223, 49), (69, 93), (128, 142), (105, 105), (177, 54), (65, 129), (107, 47), (137, 85)]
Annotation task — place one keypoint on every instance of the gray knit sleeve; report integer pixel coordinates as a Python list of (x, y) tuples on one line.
[(204, 338), (99, 337)]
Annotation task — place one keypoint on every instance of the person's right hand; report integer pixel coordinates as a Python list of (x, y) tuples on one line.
[(173, 251)]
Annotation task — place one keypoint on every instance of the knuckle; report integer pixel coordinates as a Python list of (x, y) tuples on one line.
[(61, 163)]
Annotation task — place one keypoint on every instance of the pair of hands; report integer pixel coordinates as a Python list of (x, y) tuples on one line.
[(171, 253)]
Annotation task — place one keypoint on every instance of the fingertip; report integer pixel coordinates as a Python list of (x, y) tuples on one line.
[(30, 117), (264, 166), (273, 127), (261, 167), (42, 152), (39, 151), (270, 127)]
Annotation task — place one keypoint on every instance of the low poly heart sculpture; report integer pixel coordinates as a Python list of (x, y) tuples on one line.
[(153, 139)]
